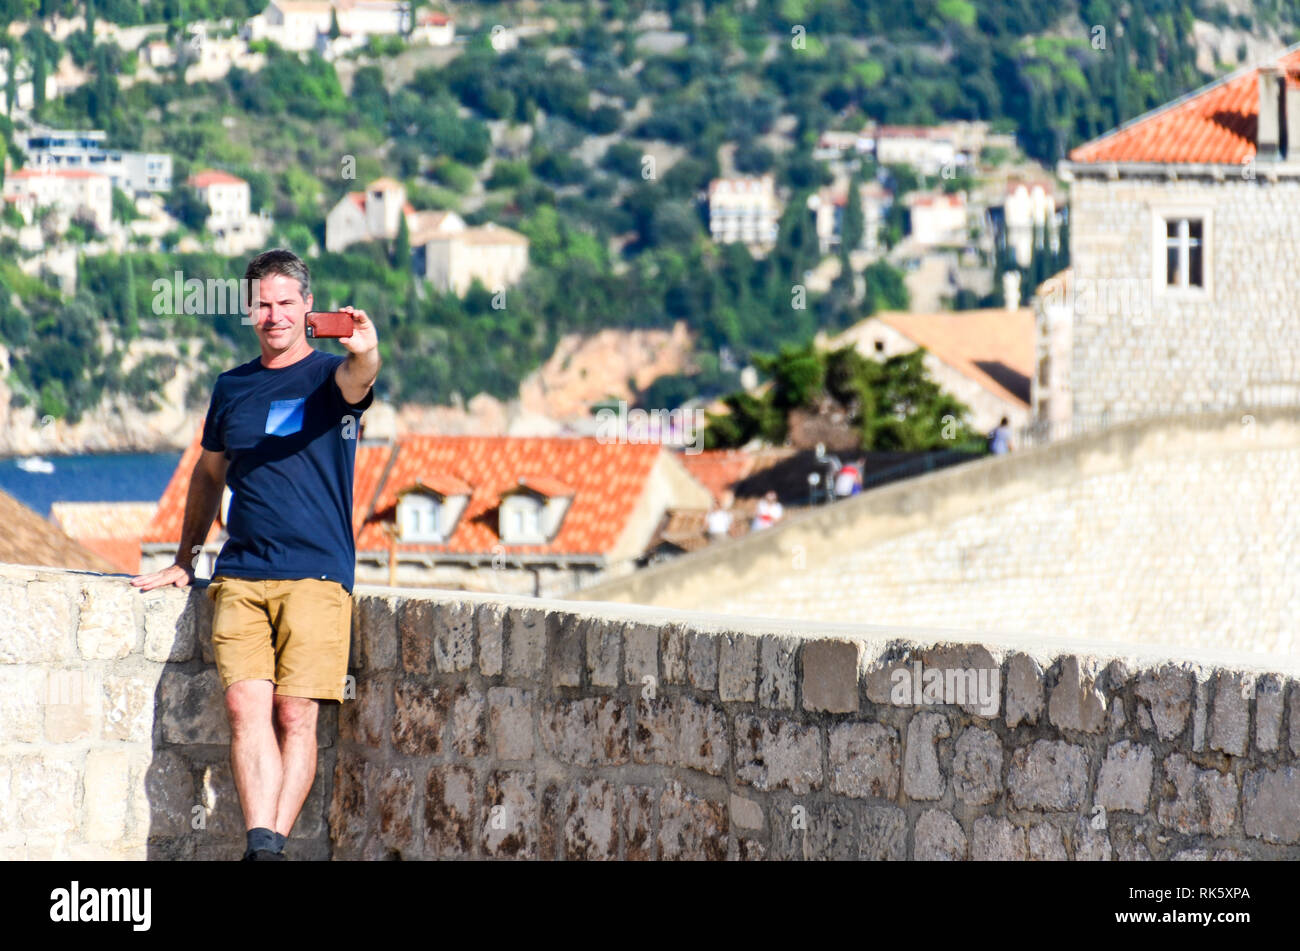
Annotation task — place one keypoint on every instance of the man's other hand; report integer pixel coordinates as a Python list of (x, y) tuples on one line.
[(178, 575)]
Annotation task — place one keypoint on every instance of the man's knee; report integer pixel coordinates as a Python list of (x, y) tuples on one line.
[(248, 704), (295, 715)]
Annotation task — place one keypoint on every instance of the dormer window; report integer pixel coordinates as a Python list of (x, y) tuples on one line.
[(532, 510), (429, 510), (420, 518)]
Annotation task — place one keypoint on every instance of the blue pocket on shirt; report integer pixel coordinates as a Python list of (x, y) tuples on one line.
[(285, 416)]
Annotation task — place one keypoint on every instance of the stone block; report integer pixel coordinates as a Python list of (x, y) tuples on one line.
[(525, 643), (1204, 801), (654, 734), (419, 717), (638, 817), (1024, 703), (592, 731), (170, 624), (672, 652), (468, 737), (938, 838), (568, 650), (640, 653), (864, 760), (490, 626), (604, 642), (977, 766), (26, 692), (128, 705), (1268, 713), (830, 675), (193, 708), (1271, 804), (691, 828), (777, 672), (737, 667), (168, 809), (997, 840), (1168, 692), (37, 619), (922, 777), (453, 636), (702, 660), (43, 795), (375, 618), (1049, 775), (106, 626), (776, 752), (745, 813), (702, 736), (509, 815), (365, 718), (591, 830), (106, 794), (450, 804), (1046, 843), (882, 834), (510, 717), (1076, 703), (416, 627), (1230, 722), (349, 819), (1125, 780), (395, 804)]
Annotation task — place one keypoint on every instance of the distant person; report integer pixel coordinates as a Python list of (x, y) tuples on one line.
[(848, 481), (719, 522), (768, 512), (1000, 438)]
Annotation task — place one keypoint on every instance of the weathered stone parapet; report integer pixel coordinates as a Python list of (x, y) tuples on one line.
[(500, 727)]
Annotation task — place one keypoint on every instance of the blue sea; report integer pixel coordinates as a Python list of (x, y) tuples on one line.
[(95, 477)]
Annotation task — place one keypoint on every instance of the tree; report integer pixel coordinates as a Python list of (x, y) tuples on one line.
[(402, 246), (335, 33), (853, 223)]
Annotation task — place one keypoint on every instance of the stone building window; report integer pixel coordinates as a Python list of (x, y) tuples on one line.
[(1184, 252)]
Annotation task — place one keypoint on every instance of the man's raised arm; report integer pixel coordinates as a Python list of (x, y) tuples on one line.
[(201, 504), (357, 373)]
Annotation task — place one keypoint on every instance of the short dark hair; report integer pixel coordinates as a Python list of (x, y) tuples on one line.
[(279, 261), (1004, 421)]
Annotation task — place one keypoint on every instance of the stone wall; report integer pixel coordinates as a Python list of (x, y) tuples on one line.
[(499, 727), (1182, 532), (1139, 349)]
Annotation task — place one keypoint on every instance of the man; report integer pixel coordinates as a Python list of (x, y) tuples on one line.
[(281, 430), (1000, 438)]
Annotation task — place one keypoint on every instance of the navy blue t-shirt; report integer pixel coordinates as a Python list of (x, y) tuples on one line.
[(290, 440)]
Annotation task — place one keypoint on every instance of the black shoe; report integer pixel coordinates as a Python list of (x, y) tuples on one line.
[(263, 855)]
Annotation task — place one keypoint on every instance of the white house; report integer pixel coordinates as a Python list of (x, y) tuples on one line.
[(71, 192), (744, 209), (374, 214), (451, 257), (928, 150), (937, 218), (229, 219), (296, 24), (434, 28)]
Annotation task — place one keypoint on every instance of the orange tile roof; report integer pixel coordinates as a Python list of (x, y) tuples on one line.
[(995, 348), (719, 469), (212, 176), (168, 520), (607, 479), (1214, 125), (56, 173), (28, 539)]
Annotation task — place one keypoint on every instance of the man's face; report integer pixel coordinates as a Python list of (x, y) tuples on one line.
[(280, 317)]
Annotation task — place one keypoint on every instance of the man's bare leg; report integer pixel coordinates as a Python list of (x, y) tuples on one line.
[(295, 730), (255, 756)]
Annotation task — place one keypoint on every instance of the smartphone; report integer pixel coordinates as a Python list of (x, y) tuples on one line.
[(329, 323)]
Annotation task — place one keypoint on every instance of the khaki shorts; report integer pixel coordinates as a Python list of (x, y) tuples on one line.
[(293, 632)]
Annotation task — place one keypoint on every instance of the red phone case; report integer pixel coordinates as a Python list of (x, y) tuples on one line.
[(329, 323)]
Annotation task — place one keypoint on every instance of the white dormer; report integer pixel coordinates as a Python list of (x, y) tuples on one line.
[(531, 511), (429, 510)]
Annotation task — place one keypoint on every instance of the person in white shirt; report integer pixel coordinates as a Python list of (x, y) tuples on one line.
[(719, 522), (768, 512)]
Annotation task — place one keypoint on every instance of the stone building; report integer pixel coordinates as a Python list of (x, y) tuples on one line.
[(1184, 245)]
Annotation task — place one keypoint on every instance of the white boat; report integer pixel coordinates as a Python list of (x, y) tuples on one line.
[(36, 464)]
